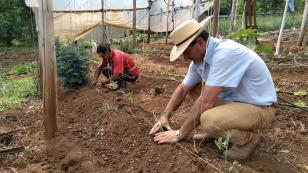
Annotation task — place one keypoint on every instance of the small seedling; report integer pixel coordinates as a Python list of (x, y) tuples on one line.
[(300, 103), (223, 142), (301, 93), (161, 128)]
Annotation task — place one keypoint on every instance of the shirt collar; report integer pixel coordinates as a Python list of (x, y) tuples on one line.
[(212, 44)]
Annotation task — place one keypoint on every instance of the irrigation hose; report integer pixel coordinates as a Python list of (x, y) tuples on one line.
[(292, 105)]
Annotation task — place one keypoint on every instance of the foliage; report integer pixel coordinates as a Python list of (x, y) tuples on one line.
[(223, 142), (300, 103), (15, 23), (15, 92), (264, 23), (23, 68), (248, 38), (301, 93), (72, 65)]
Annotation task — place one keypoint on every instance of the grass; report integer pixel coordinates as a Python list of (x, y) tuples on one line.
[(13, 93), (264, 23)]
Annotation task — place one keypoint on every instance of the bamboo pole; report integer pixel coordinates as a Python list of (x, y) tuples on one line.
[(149, 22), (281, 28), (167, 22), (103, 22), (134, 24), (233, 16), (303, 26), (216, 17), (49, 71)]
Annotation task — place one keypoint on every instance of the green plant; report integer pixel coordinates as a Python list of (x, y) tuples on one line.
[(161, 129), (15, 92), (223, 142), (23, 68), (300, 103), (126, 44), (301, 93), (248, 38), (72, 65)]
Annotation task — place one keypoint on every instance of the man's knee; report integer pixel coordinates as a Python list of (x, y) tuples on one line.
[(210, 123)]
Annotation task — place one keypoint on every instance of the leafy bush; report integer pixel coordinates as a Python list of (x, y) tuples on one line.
[(15, 23), (248, 37), (72, 65)]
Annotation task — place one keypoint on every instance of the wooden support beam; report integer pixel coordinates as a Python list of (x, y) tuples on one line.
[(216, 18), (134, 24), (49, 71), (149, 22), (281, 28), (233, 16), (97, 11), (303, 26), (103, 23), (167, 21)]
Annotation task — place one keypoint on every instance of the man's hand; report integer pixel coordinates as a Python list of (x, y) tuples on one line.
[(162, 122), (166, 137), (104, 81)]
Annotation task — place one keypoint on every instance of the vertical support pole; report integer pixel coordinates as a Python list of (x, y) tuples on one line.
[(167, 22), (216, 17), (49, 71), (244, 19), (134, 24), (149, 22), (103, 22), (281, 28), (233, 16), (303, 26)]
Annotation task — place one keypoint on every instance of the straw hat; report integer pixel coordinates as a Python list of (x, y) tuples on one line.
[(184, 34)]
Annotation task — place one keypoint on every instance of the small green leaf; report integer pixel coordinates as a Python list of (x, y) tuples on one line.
[(301, 93), (300, 103)]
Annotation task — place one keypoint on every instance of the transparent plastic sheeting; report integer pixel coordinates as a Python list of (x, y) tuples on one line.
[(76, 24)]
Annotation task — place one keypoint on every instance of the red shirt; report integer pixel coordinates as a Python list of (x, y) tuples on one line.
[(121, 62)]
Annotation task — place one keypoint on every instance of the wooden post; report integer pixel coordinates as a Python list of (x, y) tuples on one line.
[(134, 24), (149, 22), (103, 22), (281, 28), (49, 71), (244, 16), (303, 26), (216, 17), (167, 22), (254, 14), (233, 16)]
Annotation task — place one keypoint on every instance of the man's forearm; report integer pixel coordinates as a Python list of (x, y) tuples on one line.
[(193, 119), (175, 101)]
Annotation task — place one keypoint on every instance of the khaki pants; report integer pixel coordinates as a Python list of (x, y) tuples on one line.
[(242, 117)]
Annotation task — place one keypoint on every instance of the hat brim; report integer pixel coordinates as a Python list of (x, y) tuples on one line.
[(177, 51)]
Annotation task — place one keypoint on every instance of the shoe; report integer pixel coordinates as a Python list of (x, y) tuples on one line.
[(241, 152)]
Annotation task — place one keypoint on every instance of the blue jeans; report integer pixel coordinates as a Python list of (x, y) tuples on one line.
[(125, 77)]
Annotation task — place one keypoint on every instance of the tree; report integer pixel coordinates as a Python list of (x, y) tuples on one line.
[(15, 23)]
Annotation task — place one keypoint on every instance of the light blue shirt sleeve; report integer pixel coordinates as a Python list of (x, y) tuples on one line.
[(192, 77), (227, 68)]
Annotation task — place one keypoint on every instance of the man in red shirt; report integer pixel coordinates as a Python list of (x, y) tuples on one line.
[(115, 66)]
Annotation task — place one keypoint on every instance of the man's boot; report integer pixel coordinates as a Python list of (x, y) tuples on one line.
[(241, 152)]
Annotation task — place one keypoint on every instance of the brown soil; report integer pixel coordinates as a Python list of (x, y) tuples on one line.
[(104, 131)]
